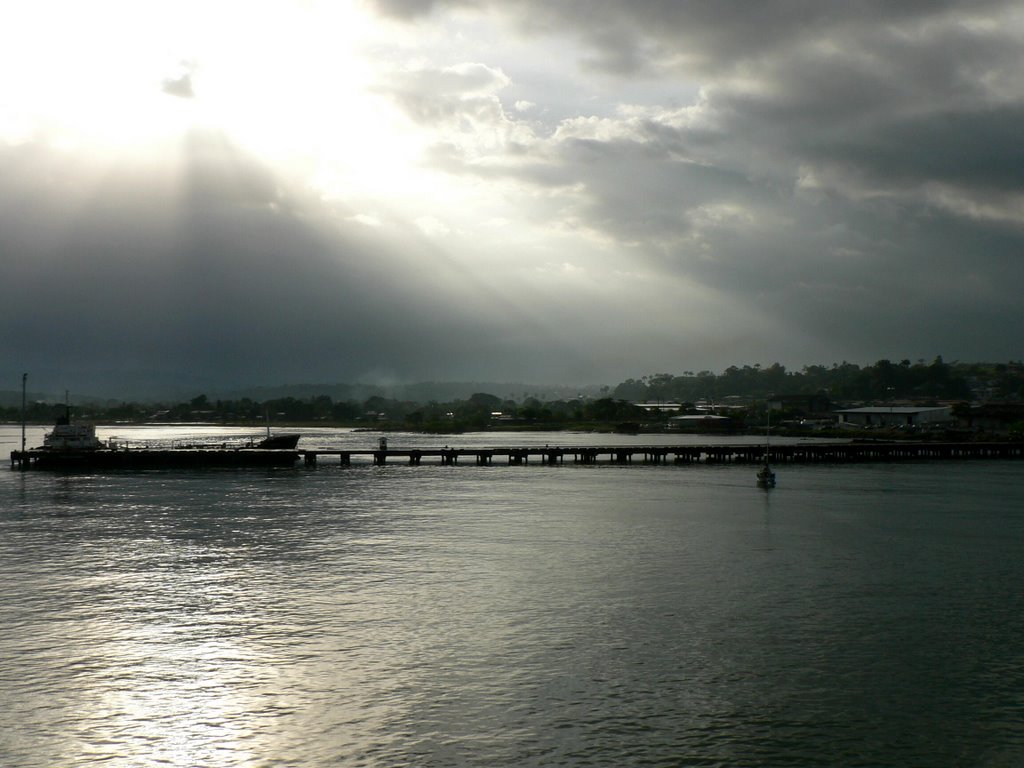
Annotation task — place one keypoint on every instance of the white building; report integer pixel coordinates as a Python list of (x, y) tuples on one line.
[(895, 416), (659, 407), (701, 422)]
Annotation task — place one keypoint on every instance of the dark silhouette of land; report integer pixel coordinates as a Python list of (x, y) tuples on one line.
[(744, 394)]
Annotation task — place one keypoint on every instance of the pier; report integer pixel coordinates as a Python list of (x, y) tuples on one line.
[(802, 453), (752, 453), (152, 458)]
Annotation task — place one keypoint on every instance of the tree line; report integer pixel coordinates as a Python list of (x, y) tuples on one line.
[(479, 411), (841, 383)]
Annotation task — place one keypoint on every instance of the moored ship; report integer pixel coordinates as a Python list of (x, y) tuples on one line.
[(71, 437), (75, 446)]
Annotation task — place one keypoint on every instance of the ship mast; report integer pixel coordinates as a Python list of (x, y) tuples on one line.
[(24, 380)]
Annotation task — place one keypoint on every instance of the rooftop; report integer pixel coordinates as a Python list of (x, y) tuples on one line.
[(904, 409)]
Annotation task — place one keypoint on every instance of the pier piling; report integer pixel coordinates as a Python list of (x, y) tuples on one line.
[(799, 453)]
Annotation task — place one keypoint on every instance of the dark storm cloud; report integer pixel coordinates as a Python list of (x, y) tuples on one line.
[(715, 36), (695, 185), (850, 168), (225, 275)]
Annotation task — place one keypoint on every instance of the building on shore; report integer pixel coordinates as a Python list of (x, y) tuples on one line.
[(700, 422), (998, 418), (665, 407), (808, 406), (895, 416)]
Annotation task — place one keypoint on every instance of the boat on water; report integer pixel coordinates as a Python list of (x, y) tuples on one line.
[(765, 475), (75, 446)]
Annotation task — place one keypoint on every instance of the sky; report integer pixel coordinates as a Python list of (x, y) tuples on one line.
[(218, 193)]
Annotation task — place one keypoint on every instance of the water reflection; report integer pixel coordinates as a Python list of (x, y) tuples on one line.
[(596, 615)]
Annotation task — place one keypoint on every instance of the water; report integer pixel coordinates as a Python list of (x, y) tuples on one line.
[(857, 615)]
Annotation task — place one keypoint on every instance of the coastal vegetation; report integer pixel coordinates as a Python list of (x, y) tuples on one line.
[(747, 389), (885, 380)]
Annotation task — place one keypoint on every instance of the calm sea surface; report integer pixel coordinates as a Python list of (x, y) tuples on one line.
[(856, 615)]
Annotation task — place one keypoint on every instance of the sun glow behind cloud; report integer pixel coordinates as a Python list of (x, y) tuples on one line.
[(321, 97), (88, 76), (675, 176), (288, 83), (381, 121)]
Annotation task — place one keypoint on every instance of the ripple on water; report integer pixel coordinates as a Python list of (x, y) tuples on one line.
[(512, 616)]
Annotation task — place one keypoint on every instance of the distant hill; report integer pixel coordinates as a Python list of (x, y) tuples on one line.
[(103, 386), (422, 392), (12, 399)]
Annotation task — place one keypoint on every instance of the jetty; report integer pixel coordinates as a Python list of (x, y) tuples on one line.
[(678, 454), (749, 453), (103, 459)]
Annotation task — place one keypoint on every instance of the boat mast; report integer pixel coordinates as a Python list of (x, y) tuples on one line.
[(24, 379)]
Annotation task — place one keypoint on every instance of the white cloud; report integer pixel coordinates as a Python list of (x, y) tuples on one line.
[(366, 220), (779, 180), (432, 226)]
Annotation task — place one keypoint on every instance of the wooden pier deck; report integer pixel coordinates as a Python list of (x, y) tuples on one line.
[(152, 458), (663, 454), (752, 453)]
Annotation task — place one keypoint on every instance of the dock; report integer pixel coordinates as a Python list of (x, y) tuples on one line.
[(802, 453), (152, 458), (751, 453)]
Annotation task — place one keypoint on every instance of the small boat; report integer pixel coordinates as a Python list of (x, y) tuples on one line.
[(765, 475)]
